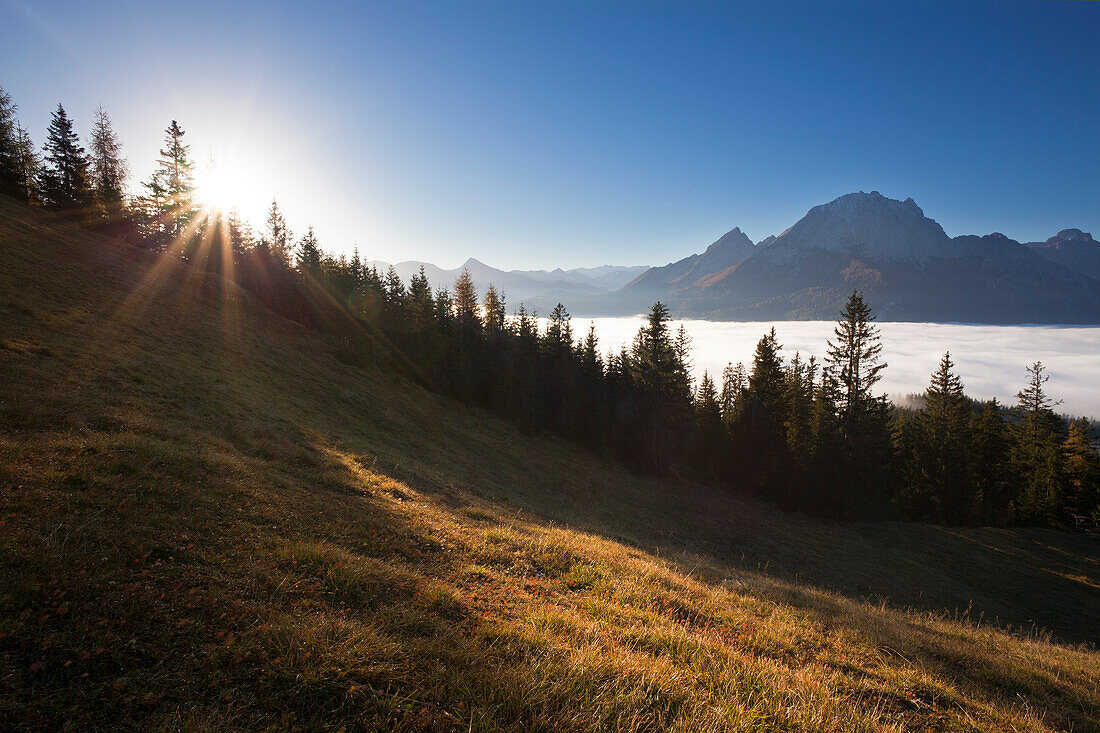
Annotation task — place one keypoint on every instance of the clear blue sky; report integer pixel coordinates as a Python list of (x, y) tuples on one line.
[(575, 134)]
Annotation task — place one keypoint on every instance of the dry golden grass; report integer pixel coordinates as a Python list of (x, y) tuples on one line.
[(211, 521)]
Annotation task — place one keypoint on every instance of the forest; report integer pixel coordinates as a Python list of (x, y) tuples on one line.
[(809, 435)]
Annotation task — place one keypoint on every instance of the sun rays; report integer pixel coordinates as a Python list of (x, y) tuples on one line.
[(219, 186)]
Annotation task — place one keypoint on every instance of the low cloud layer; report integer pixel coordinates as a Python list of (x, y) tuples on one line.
[(990, 359)]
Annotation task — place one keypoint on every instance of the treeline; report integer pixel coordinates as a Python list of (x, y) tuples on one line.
[(811, 436)]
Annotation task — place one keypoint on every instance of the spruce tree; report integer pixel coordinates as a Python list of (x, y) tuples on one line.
[(495, 312), (277, 234), (706, 401), (1082, 469), (589, 353), (989, 459), (734, 384), (766, 386), (940, 484), (558, 340), (420, 301), (464, 298), (798, 396), (108, 167), (308, 256), (760, 430), (10, 178), (28, 167), (707, 444), (1036, 458), (855, 361), (170, 201), (664, 388), (63, 180), (395, 302), (240, 235), (824, 494), (855, 357)]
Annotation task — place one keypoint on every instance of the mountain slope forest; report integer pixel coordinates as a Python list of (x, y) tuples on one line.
[(217, 518)]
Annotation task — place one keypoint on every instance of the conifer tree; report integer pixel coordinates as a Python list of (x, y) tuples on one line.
[(28, 167), (706, 401), (63, 179), (766, 385), (444, 308), (495, 312), (734, 384), (589, 352), (706, 449), (1036, 458), (940, 482), (664, 385), (395, 302), (170, 199), (108, 167), (854, 361), (558, 339), (10, 178), (420, 301), (653, 356), (356, 264), (759, 430), (308, 255), (798, 396), (682, 345), (240, 235), (1082, 469), (989, 458), (277, 234), (855, 357), (464, 299)]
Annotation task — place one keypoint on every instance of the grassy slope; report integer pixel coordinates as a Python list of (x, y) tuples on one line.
[(211, 521)]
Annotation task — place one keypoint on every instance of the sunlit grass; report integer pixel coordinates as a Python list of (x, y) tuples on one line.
[(215, 533)]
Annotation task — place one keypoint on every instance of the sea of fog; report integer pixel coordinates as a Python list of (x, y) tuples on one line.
[(990, 359)]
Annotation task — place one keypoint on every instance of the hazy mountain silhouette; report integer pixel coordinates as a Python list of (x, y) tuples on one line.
[(903, 261), (519, 285)]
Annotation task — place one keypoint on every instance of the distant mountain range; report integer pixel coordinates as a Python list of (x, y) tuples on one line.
[(903, 262), (520, 285)]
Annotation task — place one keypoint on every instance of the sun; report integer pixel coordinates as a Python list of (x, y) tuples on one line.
[(219, 187)]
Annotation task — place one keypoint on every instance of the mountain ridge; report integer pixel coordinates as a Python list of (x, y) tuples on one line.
[(519, 285), (902, 260)]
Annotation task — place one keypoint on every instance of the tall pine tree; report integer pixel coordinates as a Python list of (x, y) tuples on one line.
[(28, 167), (1036, 458), (10, 179), (464, 298), (63, 179), (940, 481), (854, 360), (170, 199), (108, 167)]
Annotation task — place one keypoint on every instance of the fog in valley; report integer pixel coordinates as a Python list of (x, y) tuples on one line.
[(990, 359)]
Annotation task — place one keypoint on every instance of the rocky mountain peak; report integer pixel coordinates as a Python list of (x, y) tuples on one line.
[(733, 239), (869, 225), (1071, 235)]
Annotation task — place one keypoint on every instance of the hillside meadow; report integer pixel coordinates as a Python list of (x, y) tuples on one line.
[(217, 519)]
